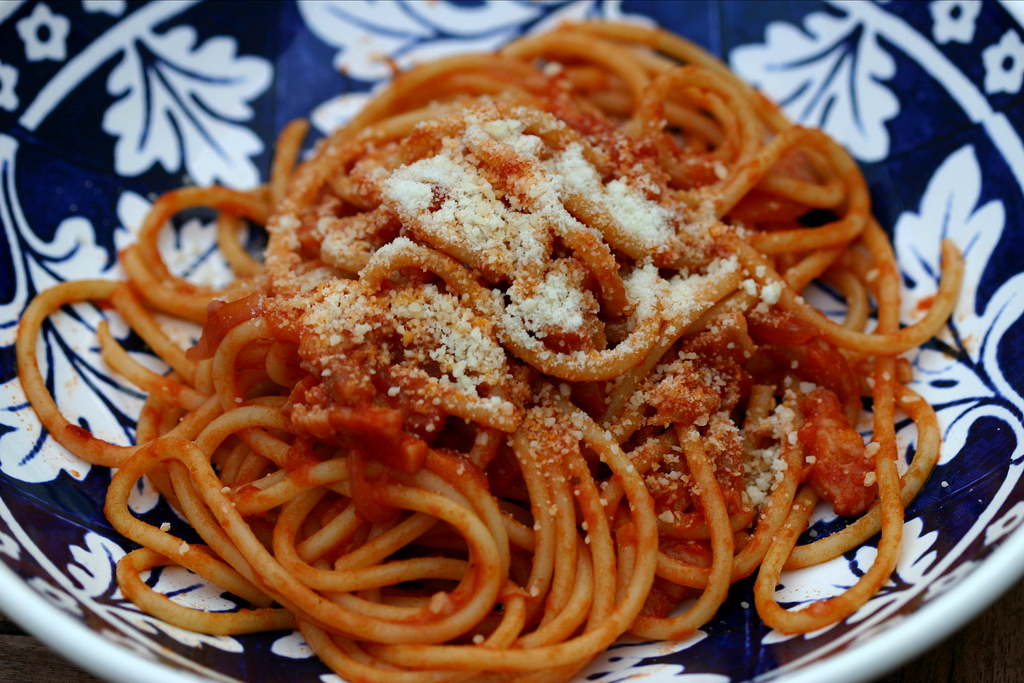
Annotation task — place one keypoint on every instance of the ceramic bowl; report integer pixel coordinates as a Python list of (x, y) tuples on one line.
[(106, 103)]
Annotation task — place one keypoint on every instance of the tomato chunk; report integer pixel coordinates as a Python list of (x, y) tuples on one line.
[(842, 471)]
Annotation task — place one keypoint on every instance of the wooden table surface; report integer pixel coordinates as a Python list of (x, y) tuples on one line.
[(989, 649)]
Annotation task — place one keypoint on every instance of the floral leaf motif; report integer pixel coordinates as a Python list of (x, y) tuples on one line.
[(191, 252), (409, 33), (1004, 64), (364, 32), (143, 497), (188, 638), (70, 366), (949, 207), (918, 554), (153, 625), (633, 655), (56, 596), (483, 18), (44, 34), (954, 21), (292, 646), (93, 569), (93, 566), (9, 547), (131, 212), (37, 263), (180, 104), (828, 75), (114, 8), (191, 590), (128, 643), (337, 111), (824, 580), (959, 372), (85, 392), (75, 251), (962, 362), (1007, 523), (951, 579), (8, 87), (833, 578)]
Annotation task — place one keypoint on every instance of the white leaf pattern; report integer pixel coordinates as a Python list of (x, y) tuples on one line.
[(153, 625), (188, 99), (76, 251), (93, 570), (410, 33), (83, 389), (292, 646), (83, 386), (9, 547), (192, 591), (632, 653), (949, 209), (55, 596), (180, 104), (829, 75), (94, 564), (407, 33), (944, 583), (24, 455)]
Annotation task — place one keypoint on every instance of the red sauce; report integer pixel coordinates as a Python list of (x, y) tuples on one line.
[(925, 303), (664, 597), (818, 362), (696, 553), (79, 432), (379, 431), (780, 327), (454, 467), (841, 464), (368, 503), (221, 318), (300, 453), (760, 208)]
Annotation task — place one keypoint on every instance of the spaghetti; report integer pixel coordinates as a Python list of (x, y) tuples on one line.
[(526, 367)]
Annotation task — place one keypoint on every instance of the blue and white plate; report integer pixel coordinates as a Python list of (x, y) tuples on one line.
[(106, 103)]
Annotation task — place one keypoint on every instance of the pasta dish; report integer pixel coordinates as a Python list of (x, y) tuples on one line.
[(526, 367)]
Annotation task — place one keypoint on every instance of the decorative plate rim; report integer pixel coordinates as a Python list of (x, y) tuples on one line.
[(904, 639), (862, 661), (76, 642)]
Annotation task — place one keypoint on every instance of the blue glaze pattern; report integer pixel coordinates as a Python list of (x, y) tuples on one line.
[(106, 103)]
